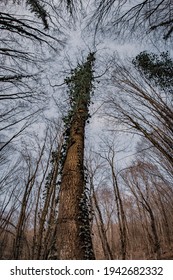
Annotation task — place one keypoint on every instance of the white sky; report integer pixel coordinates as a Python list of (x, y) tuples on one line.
[(80, 42)]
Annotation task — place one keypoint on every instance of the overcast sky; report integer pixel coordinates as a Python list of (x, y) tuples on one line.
[(80, 41)]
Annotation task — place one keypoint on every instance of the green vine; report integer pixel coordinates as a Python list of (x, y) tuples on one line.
[(80, 89), (85, 217)]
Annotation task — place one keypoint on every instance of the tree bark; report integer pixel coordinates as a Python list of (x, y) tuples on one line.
[(73, 229)]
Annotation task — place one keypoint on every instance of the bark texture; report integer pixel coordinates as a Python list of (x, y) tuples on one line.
[(73, 239)]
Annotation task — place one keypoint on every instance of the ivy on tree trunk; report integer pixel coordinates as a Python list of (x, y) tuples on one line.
[(73, 240)]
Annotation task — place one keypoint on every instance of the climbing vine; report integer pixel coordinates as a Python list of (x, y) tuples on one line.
[(80, 89), (85, 217)]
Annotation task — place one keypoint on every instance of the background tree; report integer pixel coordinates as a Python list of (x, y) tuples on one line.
[(29, 195), (158, 69), (126, 17), (141, 108), (41, 8), (94, 165), (25, 50)]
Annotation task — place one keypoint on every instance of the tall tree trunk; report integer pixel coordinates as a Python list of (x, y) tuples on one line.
[(73, 230)]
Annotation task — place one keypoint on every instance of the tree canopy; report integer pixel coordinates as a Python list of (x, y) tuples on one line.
[(125, 16), (157, 68)]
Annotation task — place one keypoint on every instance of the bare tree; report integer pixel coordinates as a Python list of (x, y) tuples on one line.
[(49, 208), (144, 181), (100, 220), (24, 47), (123, 16), (122, 223), (25, 200), (141, 108)]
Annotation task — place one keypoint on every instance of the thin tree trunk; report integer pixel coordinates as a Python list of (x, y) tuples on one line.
[(102, 233), (50, 191)]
